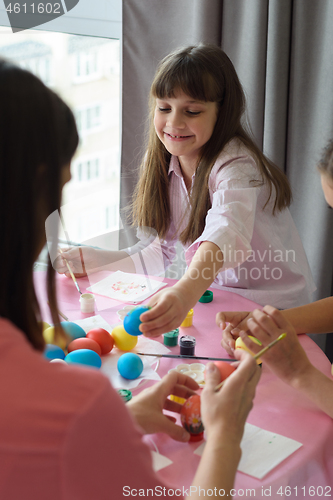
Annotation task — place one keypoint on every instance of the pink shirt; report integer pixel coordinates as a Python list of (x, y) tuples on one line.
[(264, 257), (64, 432)]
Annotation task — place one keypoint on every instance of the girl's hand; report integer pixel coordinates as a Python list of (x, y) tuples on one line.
[(169, 309), (287, 359), (237, 321), (147, 407), (81, 260), (225, 412)]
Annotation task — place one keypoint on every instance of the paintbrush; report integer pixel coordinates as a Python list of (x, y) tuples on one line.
[(258, 355), (71, 273), (184, 356)]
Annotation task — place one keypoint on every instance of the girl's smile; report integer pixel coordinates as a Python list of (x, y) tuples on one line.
[(184, 125)]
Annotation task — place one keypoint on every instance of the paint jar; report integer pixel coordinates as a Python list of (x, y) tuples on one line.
[(171, 338), (188, 320), (187, 345), (87, 303)]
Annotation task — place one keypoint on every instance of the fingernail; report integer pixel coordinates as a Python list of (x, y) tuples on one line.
[(210, 367)]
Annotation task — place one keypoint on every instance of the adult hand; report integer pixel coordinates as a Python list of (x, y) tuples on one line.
[(169, 308), (147, 407), (224, 412), (287, 359), (231, 323)]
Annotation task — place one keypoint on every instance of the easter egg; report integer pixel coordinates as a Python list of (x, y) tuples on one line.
[(239, 344), (85, 357), (49, 335), (225, 369), (130, 365), (122, 339), (84, 343), (52, 351), (73, 330), (44, 325), (132, 320), (190, 416), (103, 338)]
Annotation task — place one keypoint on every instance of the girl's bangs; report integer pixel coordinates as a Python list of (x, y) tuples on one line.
[(193, 81)]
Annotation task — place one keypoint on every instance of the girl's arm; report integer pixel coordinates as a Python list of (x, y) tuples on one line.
[(316, 317), (288, 359), (170, 306)]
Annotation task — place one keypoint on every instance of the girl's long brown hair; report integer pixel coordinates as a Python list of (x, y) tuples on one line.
[(205, 73), (38, 136)]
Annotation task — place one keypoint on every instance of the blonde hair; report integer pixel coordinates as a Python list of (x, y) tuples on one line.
[(205, 73)]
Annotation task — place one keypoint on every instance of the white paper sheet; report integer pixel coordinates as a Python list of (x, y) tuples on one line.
[(126, 287), (160, 461), (109, 361), (261, 450)]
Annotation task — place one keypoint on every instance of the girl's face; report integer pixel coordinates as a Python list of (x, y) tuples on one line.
[(184, 125), (327, 185)]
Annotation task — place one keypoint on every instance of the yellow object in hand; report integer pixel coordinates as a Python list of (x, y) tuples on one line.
[(240, 345)]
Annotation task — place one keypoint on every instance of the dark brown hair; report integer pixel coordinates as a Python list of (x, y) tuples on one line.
[(38, 136), (325, 165), (205, 73)]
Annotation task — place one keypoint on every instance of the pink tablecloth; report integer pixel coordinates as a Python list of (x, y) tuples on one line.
[(308, 473)]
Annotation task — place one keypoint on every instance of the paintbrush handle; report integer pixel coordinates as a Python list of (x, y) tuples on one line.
[(71, 273), (258, 355)]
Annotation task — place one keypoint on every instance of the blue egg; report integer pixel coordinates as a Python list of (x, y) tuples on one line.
[(130, 365), (85, 357), (73, 330), (53, 352), (132, 320)]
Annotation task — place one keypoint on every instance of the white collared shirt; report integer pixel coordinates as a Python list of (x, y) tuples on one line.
[(264, 259)]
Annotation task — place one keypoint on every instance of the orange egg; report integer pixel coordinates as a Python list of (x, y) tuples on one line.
[(190, 416), (103, 338), (84, 343), (225, 369)]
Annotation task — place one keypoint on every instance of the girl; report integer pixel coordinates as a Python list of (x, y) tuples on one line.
[(64, 432), (205, 183), (312, 318)]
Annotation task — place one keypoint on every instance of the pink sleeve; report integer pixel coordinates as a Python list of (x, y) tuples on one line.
[(104, 456)]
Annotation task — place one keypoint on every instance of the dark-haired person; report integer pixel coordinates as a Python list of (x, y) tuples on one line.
[(206, 184), (64, 431)]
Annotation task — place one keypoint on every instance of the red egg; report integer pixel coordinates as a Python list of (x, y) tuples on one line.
[(84, 343), (103, 338), (191, 417), (225, 369)]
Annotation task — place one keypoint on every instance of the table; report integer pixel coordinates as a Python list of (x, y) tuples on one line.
[(308, 473)]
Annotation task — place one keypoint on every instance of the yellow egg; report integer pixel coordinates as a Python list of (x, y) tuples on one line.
[(122, 339), (44, 325), (48, 335), (240, 345)]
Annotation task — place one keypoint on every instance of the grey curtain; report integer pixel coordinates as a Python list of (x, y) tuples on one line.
[(283, 53)]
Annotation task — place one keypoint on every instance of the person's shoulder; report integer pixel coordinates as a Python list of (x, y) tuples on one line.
[(235, 160), (234, 149)]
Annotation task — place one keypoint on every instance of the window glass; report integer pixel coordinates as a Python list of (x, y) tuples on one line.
[(84, 70)]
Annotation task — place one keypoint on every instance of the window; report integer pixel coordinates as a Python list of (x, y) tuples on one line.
[(78, 56)]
